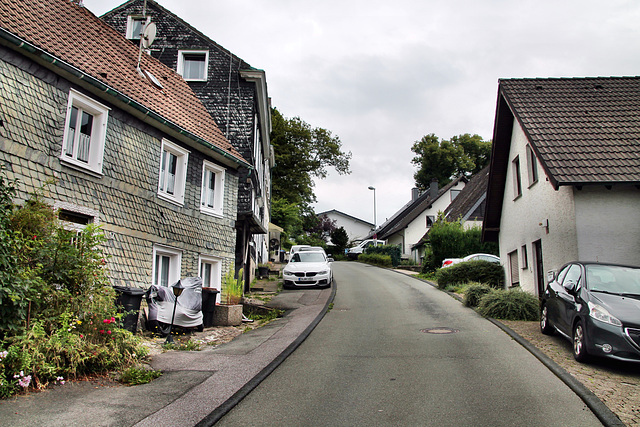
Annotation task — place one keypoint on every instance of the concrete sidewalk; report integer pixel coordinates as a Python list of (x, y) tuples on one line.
[(197, 388)]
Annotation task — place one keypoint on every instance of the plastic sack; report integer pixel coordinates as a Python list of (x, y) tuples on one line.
[(188, 308)]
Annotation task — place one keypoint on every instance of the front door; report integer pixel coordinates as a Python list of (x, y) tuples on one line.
[(537, 253)]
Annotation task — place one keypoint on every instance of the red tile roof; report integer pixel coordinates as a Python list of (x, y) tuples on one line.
[(71, 33), (584, 130)]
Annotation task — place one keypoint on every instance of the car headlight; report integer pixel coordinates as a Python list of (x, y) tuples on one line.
[(598, 312), (288, 272)]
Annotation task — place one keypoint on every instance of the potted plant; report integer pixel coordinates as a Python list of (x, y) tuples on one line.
[(230, 312)]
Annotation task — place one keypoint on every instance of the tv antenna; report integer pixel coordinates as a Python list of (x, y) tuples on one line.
[(147, 36)]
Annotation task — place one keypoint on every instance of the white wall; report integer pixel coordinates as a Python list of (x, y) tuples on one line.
[(356, 229), (608, 224), (521, 217)]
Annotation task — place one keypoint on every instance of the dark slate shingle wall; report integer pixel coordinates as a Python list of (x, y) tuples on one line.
[(33, 107)]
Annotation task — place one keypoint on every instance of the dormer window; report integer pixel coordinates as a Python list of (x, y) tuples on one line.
[(135, 26), (193, 64)]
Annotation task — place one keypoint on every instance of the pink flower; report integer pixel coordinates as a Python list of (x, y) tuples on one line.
[(109, 332), (102, 331), (106, 321), (25, 381)]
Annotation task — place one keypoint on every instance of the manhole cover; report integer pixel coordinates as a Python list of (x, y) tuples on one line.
[(439, 331)]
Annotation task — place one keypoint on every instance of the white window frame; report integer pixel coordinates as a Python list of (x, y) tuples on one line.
[(532, 166), (216, 273), (180, 66), (517, 179), (182, 159), (130, 20), (524, 257), (174, 257), (100, 114), (218, 195)]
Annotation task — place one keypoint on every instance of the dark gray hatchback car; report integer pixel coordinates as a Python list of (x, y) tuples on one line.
[(597, 307)]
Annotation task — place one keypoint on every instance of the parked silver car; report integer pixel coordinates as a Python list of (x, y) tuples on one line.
[(447, 262)]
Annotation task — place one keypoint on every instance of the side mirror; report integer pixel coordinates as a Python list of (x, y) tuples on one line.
[(570, 286), (551, 276), (330, 259)]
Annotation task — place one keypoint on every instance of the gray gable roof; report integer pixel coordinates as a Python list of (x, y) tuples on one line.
[(469, 205), (584, 131), (411, 210)]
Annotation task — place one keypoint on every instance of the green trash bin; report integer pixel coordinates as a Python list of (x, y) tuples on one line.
[(128, 301)]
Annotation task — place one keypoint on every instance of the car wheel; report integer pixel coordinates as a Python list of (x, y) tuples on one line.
[(580, 343), (545, 326)]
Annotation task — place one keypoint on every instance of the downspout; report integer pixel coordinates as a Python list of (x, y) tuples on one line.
[(30, 48)]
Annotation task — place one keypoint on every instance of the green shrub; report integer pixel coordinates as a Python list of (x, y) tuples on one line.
[(137, 376), (58, 315), (393, 251), (473, 292), (512, 304), (376, 259), (471, 271)]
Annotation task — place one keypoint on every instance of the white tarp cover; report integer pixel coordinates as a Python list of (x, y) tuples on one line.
[(188, 308)]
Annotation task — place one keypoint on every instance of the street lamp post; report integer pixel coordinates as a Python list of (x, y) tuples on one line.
[(375, 224), (177, 291)]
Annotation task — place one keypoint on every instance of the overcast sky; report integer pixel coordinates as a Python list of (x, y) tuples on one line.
[(382, 74)]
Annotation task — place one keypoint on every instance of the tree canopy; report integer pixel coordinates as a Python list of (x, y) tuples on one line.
[(302, 153), (445, 159)]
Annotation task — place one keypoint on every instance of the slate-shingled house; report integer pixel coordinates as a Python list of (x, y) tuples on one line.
[(133, 150), (236, 96), (564, 182)]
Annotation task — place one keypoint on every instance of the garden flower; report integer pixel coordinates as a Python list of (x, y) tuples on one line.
[(109, 332), (25, 381), (3, 354), (60, 380), (102, 331)]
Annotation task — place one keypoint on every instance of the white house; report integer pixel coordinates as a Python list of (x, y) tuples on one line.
[(564, 181), (356, 228), (407, 226)]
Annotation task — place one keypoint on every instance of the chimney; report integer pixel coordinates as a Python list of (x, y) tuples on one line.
[(433, 189), (415, 193)]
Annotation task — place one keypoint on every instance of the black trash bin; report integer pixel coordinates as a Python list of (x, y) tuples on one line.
[(128, 300), (208, 305)]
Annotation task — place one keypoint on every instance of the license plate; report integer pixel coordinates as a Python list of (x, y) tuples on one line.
[(305, 279)]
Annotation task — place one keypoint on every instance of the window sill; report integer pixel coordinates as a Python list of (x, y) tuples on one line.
[(517, 197), (82, 167), (210, 212), (171, 199)]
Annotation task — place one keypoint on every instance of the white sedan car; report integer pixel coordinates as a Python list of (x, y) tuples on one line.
[(308, 268)]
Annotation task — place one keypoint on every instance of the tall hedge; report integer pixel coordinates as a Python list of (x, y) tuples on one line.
[(391, 250), (452, 240), (472, 271)]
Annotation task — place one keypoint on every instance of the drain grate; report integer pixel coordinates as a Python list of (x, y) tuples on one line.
[(439, 331)]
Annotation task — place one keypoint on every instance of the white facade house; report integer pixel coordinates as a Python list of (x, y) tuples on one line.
[(564, 178), (356, 228), (407, 226)]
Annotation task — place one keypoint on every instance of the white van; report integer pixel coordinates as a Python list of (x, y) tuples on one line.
[(353, 252)]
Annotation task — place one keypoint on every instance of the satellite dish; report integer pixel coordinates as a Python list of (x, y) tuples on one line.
[(148, 35)]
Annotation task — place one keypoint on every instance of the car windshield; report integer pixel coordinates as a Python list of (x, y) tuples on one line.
[(614, 279), (308, 257)]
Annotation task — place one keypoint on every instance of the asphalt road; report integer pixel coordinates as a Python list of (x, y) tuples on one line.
[(395, 351)]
